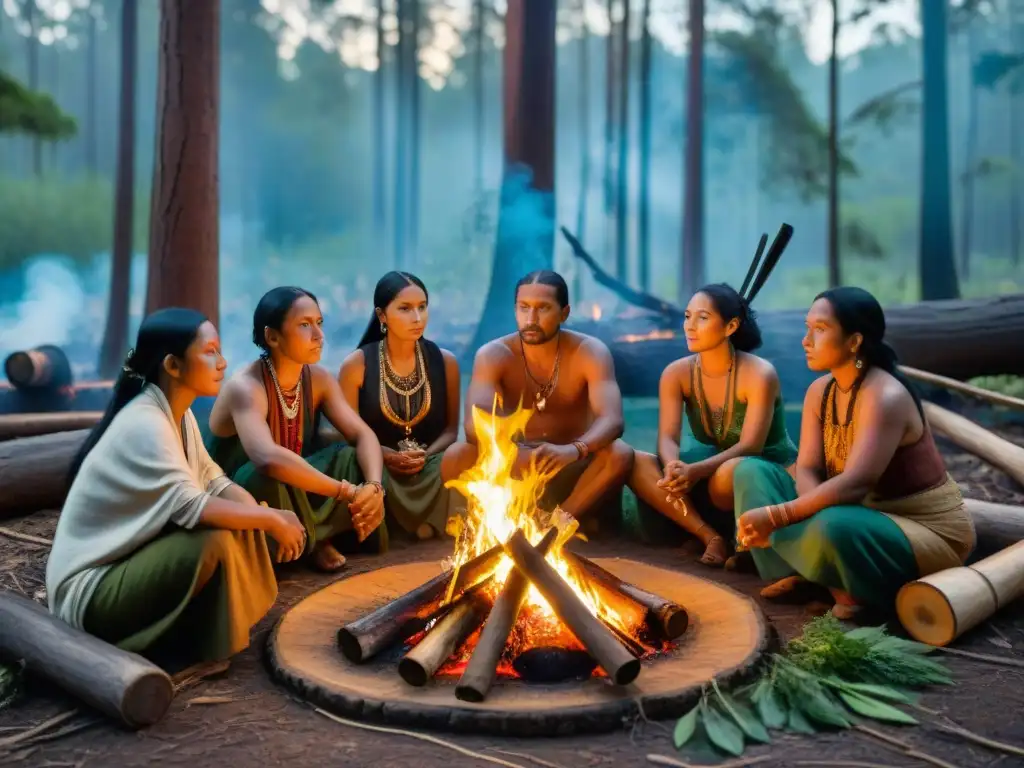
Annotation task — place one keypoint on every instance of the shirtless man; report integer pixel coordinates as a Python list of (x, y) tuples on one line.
[(568, 378)]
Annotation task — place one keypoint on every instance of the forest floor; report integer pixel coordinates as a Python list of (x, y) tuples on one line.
[(244, 718)]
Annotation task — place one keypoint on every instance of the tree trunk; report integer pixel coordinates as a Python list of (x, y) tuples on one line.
[(644, 207), (526, 216), (1016, 156), (184, 244), (379, 139), (936, 260), (115, 335), (692, 274), (415, 87), (478, 102), (609, 111), (401, 126), (834, 277), (92, 136), (970, 156), (622, 185), (32, 43), (583, 198)]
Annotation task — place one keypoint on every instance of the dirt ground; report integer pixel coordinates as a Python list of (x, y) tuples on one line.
[(248, 720)]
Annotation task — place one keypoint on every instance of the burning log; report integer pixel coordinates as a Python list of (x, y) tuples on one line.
[(664, 617), (479, 674), (468, 613), (620, 665), (410, 613)]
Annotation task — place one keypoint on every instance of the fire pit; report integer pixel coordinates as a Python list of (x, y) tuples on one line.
[(516, 634)]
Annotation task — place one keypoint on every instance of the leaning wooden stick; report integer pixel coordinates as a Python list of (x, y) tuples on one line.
[(996, 398), (620, 665), (121, 685), (408, 614), (479, 674), (1000, 453)]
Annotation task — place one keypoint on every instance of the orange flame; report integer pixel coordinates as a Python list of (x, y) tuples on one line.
[(501, 499)]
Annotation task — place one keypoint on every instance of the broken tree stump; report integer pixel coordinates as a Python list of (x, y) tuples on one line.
[(123, 686), (33, 471)]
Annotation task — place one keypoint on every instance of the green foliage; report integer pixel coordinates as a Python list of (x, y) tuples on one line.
[(10, 683), (799, 141), (31, 113), (73, 217), (825, 679), (1004, 384)]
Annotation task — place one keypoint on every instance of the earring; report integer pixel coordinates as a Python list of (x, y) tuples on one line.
[(383, 327), (858, 364)]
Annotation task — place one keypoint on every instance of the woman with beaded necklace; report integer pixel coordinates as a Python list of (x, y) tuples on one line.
[(734, 407), (872, 506), (264, 427), (407, 389)]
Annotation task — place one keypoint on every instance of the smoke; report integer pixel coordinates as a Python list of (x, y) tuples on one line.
[(52, 305)]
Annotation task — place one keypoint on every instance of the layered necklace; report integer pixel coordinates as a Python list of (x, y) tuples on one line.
[(406, 387), (544, 389), (290, 401), (713, 419), (837, 438)]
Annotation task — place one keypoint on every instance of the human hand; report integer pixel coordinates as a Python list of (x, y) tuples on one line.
[(405, 462), (679, 478), (754, 528), (551, 459), (367, 509), (289, 533)]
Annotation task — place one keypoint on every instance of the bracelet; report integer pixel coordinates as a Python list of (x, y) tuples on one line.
[(377, 484), (347, 492), (771, 515), (784, 513), (580, 446)]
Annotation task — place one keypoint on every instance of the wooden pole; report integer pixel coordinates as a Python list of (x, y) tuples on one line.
[(1000, 453), (121, 685), (419, 665), (479, 674), (664, 617), (408, 614), (620, 665), (996, 398), (997, 525)]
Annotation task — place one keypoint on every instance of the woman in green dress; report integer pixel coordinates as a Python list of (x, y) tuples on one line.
[(872, 506), (155, 548), (264, 425), (734, 407), (407, 389)]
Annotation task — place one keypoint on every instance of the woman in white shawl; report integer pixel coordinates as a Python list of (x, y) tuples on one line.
[(155, 547)]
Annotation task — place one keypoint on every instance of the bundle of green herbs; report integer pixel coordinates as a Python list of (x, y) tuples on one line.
[(824, 679)]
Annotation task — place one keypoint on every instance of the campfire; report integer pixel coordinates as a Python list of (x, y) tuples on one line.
[(513, 601)]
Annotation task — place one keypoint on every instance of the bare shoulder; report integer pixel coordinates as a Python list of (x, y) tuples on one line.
[(354, 365), (448, 356), (882, 391), (816, 391), (678, 370), (495, 354), (590, 347), (756, 369), (244, 390)]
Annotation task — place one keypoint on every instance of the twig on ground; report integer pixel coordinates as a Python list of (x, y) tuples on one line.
[(740, 763), (842, 764), (197, 673), (987, 657), (415, 735), (977, 738), (28, 538), (217, 699), (53, 722), (907, 749), (525, 756)]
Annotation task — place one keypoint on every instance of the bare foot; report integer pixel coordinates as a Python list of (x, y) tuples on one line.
[(782, 587), (328, 559), (846, 606), (715, 553), (424, 532)]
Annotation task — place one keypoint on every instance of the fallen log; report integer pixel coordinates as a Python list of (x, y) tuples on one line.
[(31, 424), (45, 367), (996, 398), (33, 471), (997, 526), (990, 448), (123, 686)]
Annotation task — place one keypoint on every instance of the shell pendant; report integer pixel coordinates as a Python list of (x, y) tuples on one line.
[(541, 402)]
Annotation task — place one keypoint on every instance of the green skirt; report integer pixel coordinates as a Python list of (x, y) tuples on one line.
[(325, 519), (413, 500), (196, 592), (850, 547)]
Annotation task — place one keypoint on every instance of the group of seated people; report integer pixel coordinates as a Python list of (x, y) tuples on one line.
[(170, 533)]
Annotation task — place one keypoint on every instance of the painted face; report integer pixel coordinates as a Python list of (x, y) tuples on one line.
[(301, 337), (538, 313), (703, 325), (825, 344), (202, 369), (406, 316)]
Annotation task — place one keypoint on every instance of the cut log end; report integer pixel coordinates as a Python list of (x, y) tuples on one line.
[(147, 699), (350, 646), (926, 614), (626, 673), (674, 622)]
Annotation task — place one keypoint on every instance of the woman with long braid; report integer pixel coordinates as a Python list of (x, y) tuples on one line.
[(872, 506)]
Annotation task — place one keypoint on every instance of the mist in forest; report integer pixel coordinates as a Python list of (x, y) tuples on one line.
[(324, 185)]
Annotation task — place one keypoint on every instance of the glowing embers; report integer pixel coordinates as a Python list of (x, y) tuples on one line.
[(514, 603)]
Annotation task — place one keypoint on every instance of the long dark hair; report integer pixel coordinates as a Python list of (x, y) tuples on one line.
[(165, 332), (730, 305), (388, 287), (272, 309), (857, 311)]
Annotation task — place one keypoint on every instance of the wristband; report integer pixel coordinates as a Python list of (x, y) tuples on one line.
[(377, 484), (582, 447)]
